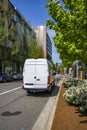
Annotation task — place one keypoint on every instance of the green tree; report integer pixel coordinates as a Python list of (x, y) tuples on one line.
[(2, 23), (26, 44), (3, 30), (70, 25), (35, 51), (54, 66), (15, 45)]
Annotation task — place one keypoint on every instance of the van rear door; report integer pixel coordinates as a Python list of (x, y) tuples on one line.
[(29, 75), (36, 74), (41, 74)]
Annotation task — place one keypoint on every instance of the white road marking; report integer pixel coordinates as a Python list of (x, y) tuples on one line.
[(10, 91)]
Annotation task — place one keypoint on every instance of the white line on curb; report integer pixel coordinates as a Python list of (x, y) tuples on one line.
[(10, 91), (51, 117)]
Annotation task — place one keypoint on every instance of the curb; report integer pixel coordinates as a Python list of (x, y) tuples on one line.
[(51, 116), (45, 120)]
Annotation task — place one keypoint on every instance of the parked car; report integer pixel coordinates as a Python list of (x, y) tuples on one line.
[(4, 77), (17, 76)]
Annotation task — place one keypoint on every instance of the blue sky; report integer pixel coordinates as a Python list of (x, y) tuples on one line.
[(36, 14)]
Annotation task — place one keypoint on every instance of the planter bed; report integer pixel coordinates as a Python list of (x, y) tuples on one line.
[(68, 117)]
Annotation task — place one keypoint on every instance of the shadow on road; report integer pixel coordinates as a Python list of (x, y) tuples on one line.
[(8, 113), (53, 92)]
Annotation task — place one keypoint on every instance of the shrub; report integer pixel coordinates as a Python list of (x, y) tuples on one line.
[(77, 95)]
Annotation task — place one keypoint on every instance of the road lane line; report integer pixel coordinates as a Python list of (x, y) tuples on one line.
[(10, 91)]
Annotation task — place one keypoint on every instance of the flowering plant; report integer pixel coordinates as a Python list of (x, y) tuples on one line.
[(67, 82), (77, 95)]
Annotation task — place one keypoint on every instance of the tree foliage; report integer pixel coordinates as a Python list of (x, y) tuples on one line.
[(70, 25), (3, 23), (1, 31), (35, 51)]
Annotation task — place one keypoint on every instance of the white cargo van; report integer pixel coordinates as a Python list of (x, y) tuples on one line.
[(37, 75)]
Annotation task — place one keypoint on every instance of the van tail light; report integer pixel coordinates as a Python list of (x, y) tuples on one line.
[(22, 80), (48, 80)]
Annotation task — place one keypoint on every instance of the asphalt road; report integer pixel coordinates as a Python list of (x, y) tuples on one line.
[(19, 111)]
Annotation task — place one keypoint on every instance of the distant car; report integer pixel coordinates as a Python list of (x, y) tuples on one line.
[(17, 76), (4, 77)]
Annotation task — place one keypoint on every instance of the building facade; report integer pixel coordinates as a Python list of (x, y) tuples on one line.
[(17, 35), (44, 41)]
